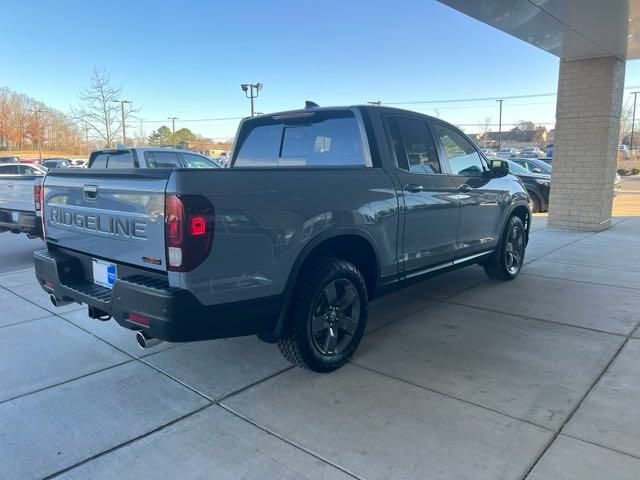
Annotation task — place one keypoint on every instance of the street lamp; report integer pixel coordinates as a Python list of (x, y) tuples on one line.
[(251, 90), (500, 123), (122, 102), (633, 121)]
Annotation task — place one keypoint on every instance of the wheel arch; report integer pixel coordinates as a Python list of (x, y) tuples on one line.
[(521, 210), (353, 244)]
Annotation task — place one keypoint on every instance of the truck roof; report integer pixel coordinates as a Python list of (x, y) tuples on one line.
[(146, 148), (376, 108)]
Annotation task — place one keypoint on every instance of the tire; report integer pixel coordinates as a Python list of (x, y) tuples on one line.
[(328, 316), (536, 203), (507, 261)]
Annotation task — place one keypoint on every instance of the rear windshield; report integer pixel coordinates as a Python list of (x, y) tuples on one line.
[(122, 159), (306, 139)]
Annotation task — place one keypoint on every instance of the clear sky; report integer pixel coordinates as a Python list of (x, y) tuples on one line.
[(187, 59)]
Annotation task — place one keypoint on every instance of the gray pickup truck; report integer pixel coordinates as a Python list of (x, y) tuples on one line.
[(322, 210)]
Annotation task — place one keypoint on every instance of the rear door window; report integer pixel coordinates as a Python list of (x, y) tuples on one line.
[(322, 138), (414, 145)]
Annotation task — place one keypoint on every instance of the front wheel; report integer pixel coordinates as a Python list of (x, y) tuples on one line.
[(509, 258), (328, 316)]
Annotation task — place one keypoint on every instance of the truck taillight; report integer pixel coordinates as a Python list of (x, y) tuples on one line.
[(189, 229), (37, 197)]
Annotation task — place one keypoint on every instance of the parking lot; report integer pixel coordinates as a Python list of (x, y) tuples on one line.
[(451, 381)]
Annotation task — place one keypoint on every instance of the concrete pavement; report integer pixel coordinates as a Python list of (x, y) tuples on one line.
[(458, 377)]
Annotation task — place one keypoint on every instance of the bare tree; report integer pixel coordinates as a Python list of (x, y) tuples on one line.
[(100, 110), (486, 128)]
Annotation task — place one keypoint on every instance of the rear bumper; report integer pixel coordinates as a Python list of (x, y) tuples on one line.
[(18, 221), (173, 314)]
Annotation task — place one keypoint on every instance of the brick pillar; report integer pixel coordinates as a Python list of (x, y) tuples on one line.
[(586, 142)]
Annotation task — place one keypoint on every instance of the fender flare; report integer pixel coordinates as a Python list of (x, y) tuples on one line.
[(304, 254)]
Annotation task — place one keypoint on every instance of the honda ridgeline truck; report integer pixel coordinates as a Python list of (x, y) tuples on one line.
[(322, 210)]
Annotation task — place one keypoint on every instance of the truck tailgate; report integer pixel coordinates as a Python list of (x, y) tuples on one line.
[(110, 214)]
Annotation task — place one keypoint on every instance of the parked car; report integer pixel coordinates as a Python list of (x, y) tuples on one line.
[(9, 159), (78, 162), (292, 241), (56, 163), (624, 151), (531, 152), (489, 152), (547, 160), (149, 157), (538, 185), (20, 198), (507, 152), (534, 165)]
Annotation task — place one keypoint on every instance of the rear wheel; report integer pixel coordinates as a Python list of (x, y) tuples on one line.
[(509, 258), (327, 317)]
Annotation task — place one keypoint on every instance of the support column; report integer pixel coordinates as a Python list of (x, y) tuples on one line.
[(586, 143)]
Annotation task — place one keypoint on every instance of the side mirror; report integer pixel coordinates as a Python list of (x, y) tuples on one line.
[(537, 170), (499, 168)]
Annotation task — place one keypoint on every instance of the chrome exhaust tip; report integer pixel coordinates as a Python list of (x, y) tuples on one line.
[(59, 302), (145, 341)]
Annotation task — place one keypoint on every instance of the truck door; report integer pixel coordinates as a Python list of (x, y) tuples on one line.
[(430, 205), (482, 199)]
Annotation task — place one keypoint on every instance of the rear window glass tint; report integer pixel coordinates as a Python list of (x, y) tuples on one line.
[(321, 139), (120, 160), (99, 161), (162, 159)]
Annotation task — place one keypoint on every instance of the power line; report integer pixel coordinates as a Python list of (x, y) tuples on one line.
[(481, 99), (196, 119), (418, 102)]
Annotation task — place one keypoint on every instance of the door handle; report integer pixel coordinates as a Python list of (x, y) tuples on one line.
[(413, 188), (465, 188)]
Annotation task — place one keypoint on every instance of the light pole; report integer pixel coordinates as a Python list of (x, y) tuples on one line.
[(500, 123), (633, 121), (251, 90), (37, 111), (173, 124), (124, 134)]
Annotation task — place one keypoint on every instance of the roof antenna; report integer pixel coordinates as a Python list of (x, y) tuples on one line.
[(310, 104)]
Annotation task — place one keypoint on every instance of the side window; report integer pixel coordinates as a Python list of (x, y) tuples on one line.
[(99, 161), (120, 160), (414, 146), (9, 170), (463, 157), (196, 161), (27, 170), (161, 159)]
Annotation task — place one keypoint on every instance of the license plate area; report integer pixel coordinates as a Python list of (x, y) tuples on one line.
[(104, 273), (15, 216)]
